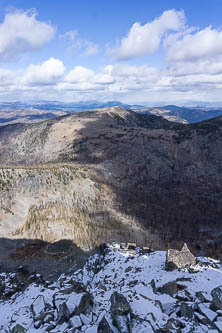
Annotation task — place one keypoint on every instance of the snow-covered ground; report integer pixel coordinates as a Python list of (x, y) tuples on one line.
[(150, 298)]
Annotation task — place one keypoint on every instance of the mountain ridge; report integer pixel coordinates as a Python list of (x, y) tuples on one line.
[(28, 112), (153, 178)]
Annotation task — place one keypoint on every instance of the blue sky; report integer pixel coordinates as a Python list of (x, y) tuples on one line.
[(134, 51)]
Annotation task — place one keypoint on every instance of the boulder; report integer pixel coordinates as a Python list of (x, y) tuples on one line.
[(86, 305), (202, 296), (169, 288), (179, 259), (104, 326), (63, 314), (19, 329), (120, 310), (38, 308), (119, 304), (121, 322), (205, 311), (139, 325), (172, 325), (186, 310), (216, 294), (76, 322)]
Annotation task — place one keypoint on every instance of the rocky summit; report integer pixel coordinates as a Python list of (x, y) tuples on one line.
[(117, 290)]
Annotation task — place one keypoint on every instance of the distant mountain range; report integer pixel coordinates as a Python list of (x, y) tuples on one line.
[(182, 114), (29, 112)]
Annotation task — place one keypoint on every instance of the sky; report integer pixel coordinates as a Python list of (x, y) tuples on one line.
[(135, 51)]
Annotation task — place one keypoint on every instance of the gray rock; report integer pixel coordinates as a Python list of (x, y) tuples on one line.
[(201, 319), (49, 327), (120, 310), (76, 322), (38, 308), (179, 259), (63, 314), (216, 294), (169, 288), (49, 316), (19, 329), (184, 296), (85, 306), (172, 325), (86, 320), (139, 325), (104, 326), (119, 304), (205, 311), (121, 322), (186, 310), (202, 296), (218, 325)]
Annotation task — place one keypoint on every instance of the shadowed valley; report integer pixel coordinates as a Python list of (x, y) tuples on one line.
[(113, 175)]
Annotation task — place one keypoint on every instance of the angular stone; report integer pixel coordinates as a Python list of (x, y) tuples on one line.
[(186, 310), (122, 323), (173, 325), (218, 325), (201, 319), (119, 304), (209, 314), (202, 296), (74, 302), (63, 314), (86, 305), (216, 294), (104, 326), (179, 259), (86, 320), (19, 329), (169, 288), (38, 307), (139, 325), (76, 322), (168, 308)]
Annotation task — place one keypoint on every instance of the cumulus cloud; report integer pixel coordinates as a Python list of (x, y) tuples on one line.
[(79, 74), (203, 44), (47, 73), (22, 32), (125, 82), (75, 42), (145, 39)]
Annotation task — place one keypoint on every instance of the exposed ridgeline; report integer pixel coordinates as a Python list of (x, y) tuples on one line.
[(160, 181)]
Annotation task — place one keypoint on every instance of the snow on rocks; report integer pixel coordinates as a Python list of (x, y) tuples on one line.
[(179, 259), (118, 290)]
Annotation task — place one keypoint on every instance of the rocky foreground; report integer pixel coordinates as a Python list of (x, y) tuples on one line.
[(118, 290)]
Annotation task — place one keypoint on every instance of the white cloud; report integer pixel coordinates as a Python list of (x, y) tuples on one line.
[(75, 42), (21, 32), (125, 82), (145, 39), (91, 49), (79, 74), (6, 77), (203, 44), (48, 73)]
